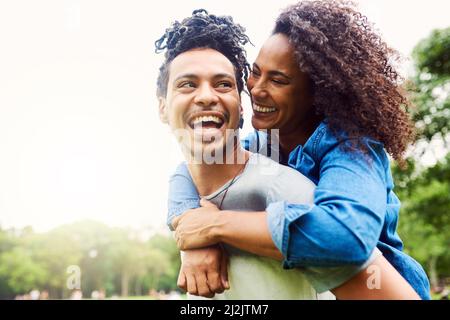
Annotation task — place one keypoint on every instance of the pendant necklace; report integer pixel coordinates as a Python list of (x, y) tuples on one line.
[(232, 181)]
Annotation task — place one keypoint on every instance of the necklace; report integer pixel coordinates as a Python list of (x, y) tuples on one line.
[(232, 181)]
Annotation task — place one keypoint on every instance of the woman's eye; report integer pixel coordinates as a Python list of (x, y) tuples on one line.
[(278, 81), (255, 73)]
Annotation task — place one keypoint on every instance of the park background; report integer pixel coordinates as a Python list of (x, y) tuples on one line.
[(84, 160)]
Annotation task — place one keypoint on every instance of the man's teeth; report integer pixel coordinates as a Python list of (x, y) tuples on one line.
[(214, 119), (263, 109)]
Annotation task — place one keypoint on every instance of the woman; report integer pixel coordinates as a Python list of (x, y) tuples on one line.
[(325, 81)]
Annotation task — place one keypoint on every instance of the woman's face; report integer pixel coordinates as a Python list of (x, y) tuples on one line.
[(281, 93)]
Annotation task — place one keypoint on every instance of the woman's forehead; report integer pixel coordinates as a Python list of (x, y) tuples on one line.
[(277, 53)]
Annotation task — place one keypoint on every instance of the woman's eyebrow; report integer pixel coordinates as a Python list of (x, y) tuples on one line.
[(274, 72), (279, 73)]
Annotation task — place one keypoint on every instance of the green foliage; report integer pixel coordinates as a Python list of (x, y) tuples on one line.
[(425, 218), (118, 261), (425, 192), (20, 272), (432, 54), (430, 86)]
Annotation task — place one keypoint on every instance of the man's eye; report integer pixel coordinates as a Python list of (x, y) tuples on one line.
[(186, 84), (224, 84)]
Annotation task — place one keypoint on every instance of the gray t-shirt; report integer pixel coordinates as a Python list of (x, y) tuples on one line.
[(254, 277), (264, 181)]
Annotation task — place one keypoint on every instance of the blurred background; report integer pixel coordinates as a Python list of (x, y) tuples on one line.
[(84, 160)]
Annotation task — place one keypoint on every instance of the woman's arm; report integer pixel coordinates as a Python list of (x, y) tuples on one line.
[(203, 271), (379, 281), (342, 226), (249, 232), (208, 225), (183, 194)]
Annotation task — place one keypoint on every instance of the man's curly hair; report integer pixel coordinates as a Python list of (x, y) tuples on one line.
[(356, 87), (204, 30)]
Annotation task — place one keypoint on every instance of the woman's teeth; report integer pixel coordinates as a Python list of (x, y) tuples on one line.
[(263, 109)]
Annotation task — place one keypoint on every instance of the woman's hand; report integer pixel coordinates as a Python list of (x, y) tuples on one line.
[(196, 228), (204, 272)]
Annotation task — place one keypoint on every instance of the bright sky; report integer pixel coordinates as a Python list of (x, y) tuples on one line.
[(79, 132)]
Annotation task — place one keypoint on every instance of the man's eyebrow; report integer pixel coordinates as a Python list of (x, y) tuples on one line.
[(186, 76), (224, 75), (194, 76)]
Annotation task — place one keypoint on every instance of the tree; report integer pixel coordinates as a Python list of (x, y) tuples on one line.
[(425, 192), (20, 272), (167, 279), (55, 251), (425, 219), (431, 86)]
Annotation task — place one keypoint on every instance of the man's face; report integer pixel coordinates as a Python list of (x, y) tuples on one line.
[(202, 100)]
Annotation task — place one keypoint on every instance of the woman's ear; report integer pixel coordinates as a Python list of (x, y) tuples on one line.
[(163, 110)]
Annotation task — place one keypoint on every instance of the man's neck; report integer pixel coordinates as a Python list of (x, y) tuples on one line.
[(210, 177)]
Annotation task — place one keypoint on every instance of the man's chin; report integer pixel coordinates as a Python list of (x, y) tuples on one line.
[(216, 152)]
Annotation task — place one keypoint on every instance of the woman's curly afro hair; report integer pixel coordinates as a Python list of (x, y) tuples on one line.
[(204, 30), (356, 87)]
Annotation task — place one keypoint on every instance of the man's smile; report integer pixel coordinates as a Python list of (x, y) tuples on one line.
[(207, 125)]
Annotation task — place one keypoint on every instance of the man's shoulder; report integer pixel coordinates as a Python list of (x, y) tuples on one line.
[(266, 165), (282, 182)]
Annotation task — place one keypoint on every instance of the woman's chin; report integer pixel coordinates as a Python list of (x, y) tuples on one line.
[(260, 124)]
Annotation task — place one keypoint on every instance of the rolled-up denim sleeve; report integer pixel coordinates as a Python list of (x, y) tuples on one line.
[(276, 221), (321, 278), (328, 278), (344, 224), (183, 194)]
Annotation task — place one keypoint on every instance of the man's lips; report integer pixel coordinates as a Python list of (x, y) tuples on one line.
[(208, 126), (210, 119)]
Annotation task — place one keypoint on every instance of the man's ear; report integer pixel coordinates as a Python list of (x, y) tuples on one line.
[(163, 110)]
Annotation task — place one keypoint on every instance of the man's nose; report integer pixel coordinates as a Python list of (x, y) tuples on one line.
[(206, 96)]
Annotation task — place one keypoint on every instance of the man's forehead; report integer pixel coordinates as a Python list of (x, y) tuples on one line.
[(201, 62)]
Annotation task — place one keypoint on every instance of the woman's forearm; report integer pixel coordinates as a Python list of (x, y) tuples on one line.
[(379, 281), (247, 231)]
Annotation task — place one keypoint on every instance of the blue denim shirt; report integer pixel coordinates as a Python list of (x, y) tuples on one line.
[(354, 210)]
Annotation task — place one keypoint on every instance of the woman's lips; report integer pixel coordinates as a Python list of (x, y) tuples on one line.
[(263, 109)]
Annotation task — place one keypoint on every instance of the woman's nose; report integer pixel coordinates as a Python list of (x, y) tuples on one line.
[(257, 89)]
